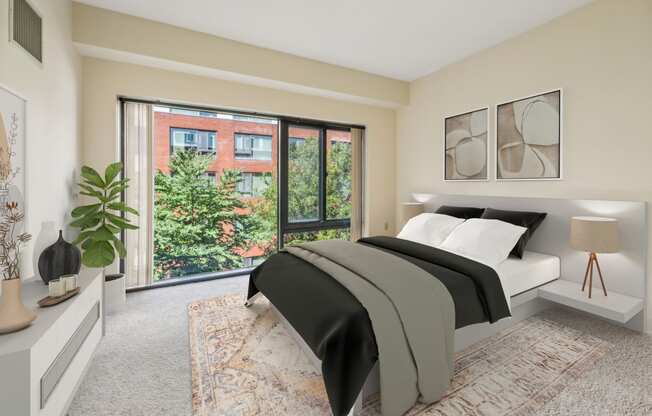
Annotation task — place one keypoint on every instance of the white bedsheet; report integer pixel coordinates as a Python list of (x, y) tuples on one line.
[(520, 275)]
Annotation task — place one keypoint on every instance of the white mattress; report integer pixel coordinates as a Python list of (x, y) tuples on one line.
[(534, 269)]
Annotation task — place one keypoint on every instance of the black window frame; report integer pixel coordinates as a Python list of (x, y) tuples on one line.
[(322, 223)]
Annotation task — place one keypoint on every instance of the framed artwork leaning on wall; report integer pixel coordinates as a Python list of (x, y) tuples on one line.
[(529, 138), (466, 138)]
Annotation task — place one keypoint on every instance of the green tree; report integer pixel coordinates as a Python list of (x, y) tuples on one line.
[(199, 226), (303, 191), (264, 211), (338, 181), (303, 180)]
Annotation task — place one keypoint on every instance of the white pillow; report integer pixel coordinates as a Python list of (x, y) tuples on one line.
[(429, 229), (485, 241)]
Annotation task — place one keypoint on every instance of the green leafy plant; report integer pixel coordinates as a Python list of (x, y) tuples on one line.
[(101, 221), (199, 225)]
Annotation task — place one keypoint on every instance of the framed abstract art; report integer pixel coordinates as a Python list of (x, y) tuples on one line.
[(529, 138), (465, 146)]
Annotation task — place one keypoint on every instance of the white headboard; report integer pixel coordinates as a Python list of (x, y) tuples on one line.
[(624, 272)]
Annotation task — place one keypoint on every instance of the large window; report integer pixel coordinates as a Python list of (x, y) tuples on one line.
[(201, 141), (203, 215), (253, 147), (253, 183)]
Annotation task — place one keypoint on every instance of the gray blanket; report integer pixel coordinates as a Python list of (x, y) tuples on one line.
[(412, 315)]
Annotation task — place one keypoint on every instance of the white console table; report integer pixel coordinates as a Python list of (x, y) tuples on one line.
[(42, 366)]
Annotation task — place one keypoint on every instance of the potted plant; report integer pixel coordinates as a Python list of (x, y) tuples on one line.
[(100, 223), (13, 314)]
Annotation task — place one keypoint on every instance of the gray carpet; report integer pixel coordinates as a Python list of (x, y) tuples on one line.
[(142, 367)]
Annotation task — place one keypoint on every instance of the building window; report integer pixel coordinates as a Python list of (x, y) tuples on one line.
[(201, 141), (296, 141), (253, 183), (253, 147), (338, 142), (210, 175)]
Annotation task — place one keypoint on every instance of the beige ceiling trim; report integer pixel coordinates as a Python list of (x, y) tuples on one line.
[(148, 61)]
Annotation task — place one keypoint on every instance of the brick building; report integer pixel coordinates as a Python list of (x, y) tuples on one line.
[(249, 145), (241, 142)]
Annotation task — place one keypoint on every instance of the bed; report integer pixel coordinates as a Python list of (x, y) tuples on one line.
[(391, 306), (336, 327), (304, 295), (519, 276)]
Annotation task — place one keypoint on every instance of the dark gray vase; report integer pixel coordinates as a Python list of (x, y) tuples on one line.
[(59, 259)]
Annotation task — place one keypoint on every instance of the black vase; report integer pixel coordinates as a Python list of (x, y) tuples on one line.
[(59, 259)]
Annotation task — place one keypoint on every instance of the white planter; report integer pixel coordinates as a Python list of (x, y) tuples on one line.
[(115, 295)]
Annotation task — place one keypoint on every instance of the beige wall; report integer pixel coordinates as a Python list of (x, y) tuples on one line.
[(53, 93), (601, 55), (104, 81), (110, 31)]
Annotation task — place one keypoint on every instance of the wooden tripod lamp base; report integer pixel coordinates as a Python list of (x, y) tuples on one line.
[(594, 235), (593, 260)]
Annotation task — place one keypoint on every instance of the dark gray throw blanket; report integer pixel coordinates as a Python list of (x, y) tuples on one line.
[(324, 308), (412, 318)]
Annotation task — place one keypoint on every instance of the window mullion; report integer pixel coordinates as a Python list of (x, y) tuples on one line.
[(323, 172)]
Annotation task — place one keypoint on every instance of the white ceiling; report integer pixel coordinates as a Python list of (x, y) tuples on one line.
[(402, 39)]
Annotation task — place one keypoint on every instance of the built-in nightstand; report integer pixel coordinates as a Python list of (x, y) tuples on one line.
[(616, 307)]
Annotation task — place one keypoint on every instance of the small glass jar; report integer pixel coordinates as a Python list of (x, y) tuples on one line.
[(56, 288), (70, 281)]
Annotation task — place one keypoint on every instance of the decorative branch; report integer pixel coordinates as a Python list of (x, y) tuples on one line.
[(7, 172), (11, 242)]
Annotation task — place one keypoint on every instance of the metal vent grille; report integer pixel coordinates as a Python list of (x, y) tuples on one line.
[(27, 28)]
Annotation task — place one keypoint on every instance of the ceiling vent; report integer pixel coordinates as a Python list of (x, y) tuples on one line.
[(26, 28)]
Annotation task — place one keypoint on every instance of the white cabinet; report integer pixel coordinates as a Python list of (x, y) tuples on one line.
[(42, 366)]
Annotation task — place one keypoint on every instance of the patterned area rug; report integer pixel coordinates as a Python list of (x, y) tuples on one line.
[(244, 363)]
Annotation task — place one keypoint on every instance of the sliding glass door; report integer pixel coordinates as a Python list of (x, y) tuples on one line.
[(220, 191)]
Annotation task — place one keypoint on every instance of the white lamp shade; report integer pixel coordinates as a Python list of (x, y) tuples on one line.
[(595, 234), (410, 210)]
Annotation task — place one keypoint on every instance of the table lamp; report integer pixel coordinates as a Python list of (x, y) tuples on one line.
[(409, 210), (594, 235)]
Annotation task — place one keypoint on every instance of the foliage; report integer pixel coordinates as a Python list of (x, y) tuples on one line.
[(294, 239), (303, 194), (303, 180), (264, 210), (339, 181), (101, 221), (199, 226), (11, 241)]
